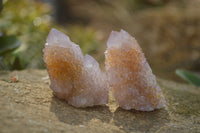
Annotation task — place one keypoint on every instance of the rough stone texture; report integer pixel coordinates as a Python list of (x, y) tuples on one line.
[(74, 77), (29, 106), (129, 75)]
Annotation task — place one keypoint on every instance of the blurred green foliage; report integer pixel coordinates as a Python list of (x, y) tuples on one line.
[(189, 76), (87, 38), (8, 43), (30, 21)]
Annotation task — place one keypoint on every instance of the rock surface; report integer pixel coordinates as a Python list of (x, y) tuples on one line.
[(29, 106)]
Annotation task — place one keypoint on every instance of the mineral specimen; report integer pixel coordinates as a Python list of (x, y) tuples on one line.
[(74, 77), (129, 75)]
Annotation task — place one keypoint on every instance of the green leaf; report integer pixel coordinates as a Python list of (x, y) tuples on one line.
[(8, 44), (189, 77)]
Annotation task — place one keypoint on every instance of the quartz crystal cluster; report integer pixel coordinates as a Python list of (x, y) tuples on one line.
[(74, 77), (79, 80), (129, 75)]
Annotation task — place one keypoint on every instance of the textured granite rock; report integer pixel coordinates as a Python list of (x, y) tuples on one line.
[(129, 75), (29, 106), (74, 77)]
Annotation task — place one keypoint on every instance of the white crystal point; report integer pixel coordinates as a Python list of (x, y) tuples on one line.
[(119, 39), (114, 39), (56, 37), (90, 62), (74, 77), (129, 75), (59, 39)]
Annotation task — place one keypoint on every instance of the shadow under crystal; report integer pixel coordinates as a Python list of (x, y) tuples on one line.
[(132, 120), (76, 116)]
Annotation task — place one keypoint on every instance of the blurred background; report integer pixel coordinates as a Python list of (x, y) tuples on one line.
[(167, 30)]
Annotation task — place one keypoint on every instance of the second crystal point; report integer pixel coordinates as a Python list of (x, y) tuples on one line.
[(129, 75)]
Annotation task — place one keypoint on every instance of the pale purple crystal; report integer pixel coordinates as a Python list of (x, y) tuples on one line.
[(129, 75), (74, 77)]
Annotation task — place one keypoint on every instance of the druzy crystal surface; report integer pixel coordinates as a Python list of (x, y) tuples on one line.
[(129, 75), (74, 77)]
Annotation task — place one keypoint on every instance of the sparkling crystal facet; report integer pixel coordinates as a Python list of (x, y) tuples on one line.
[(129, 75), (74, 77)]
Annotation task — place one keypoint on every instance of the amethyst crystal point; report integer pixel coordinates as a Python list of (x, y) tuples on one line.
[(129, 75), (74, 77)]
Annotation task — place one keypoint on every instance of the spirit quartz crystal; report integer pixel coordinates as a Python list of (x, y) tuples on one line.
[(129, 75), (79, 80), (74, 77)]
